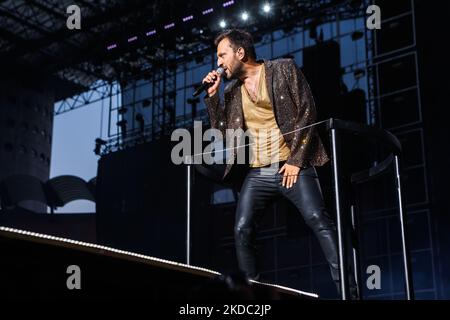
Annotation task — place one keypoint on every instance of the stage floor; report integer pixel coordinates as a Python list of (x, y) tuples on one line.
[(37, 265)]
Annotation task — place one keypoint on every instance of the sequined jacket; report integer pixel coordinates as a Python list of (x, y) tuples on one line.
[(293, 106)]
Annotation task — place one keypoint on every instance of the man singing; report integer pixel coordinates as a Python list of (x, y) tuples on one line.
[(270, 96)]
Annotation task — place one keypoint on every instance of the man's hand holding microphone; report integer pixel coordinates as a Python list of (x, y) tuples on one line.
[(210, 83)]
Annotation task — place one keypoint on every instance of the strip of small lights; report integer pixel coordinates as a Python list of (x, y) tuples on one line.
[(171, 25), (109, 249), (207, 11), (188, 18), (287, 289), (228, 3)]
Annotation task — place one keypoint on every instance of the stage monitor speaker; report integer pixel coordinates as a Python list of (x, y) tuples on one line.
[(397, 74), (391, 8), (394, 34), (399, 109)]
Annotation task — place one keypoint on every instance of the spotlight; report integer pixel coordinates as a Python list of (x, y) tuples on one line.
[(266, 8), (357, 35), (193, 102), (122, 110), (100, 141), (313, 32), (222, 24), (146, 103), (140, 120), (98, 145), (97, 149), (244, 16), (358, 74), (355, 4), (123, 127)]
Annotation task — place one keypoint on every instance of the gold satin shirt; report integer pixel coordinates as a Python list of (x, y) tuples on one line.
[(266, 138)]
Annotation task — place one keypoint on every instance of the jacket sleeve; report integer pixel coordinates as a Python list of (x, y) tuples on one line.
[(304, 141), (216, 112)]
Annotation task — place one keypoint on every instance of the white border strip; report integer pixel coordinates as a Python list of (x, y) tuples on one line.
[(314, 295)]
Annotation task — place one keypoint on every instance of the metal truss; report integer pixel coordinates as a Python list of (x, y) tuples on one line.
[(99, 91), (150, 60), (34, 32)]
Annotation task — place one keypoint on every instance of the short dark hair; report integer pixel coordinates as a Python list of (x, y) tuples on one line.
[(238, 38)]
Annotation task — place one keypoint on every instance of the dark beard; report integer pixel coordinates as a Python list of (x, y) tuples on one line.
[(237, 72)]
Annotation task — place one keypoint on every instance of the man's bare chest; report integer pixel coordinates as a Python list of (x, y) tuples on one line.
[(252, 89)]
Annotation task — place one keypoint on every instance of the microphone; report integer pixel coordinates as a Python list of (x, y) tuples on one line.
[(206, 85)]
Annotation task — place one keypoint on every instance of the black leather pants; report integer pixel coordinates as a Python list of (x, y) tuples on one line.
[(261, 186)]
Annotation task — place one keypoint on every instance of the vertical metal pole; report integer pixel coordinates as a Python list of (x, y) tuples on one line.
[(339, 220), (188, 213), (188, 161), (356, 268), (133, 119), (110, 108), (403, 226)]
